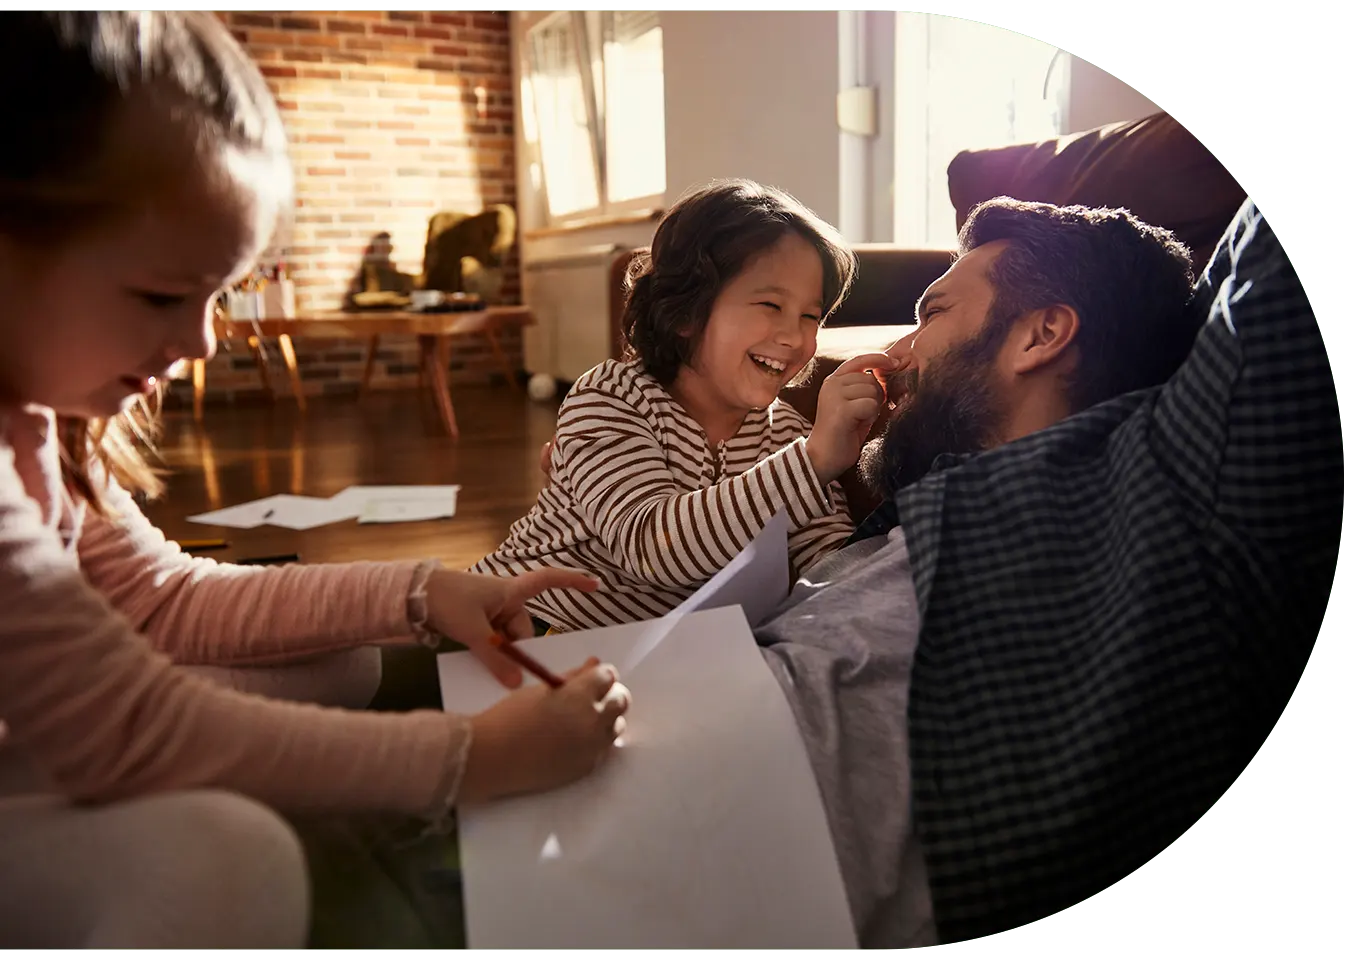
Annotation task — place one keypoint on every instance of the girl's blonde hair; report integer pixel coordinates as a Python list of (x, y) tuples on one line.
[(70, 76)]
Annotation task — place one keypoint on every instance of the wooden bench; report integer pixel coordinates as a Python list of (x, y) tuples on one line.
[(433, 331)]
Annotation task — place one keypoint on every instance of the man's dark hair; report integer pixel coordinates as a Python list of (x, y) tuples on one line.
[(1128, 281), (704, 241)]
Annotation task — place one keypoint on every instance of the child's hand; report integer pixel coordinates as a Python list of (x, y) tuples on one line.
[(471, 608), (847, 407), (540, 738)]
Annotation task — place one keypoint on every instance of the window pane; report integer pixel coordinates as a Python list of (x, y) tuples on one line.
[(635, 119), (986, 89), (560, 115), (979, 86)]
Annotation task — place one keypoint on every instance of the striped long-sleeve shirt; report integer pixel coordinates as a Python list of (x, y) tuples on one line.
[(640, 499)]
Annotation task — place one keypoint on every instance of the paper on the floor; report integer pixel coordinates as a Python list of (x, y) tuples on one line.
[(403, 510), (354, 498), (389, 504), (395, 504), (705, 829), (280, 510)]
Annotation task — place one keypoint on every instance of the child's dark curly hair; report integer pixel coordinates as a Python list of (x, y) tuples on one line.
[(704, 241)]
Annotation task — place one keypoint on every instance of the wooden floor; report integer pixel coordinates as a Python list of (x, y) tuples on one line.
[(243, 453)]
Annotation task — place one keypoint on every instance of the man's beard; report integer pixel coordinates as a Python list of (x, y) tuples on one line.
[(955, 410)]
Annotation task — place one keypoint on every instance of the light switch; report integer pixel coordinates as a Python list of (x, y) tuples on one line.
[(857, 111)]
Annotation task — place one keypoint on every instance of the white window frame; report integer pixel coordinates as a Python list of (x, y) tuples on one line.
[(590, 69)]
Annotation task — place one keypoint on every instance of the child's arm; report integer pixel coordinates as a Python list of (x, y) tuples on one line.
[(611, 458), (106, 717), (204, 612), (809, 544)]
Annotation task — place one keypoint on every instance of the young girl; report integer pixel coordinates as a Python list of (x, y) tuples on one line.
[(666, 465), (144, 169)]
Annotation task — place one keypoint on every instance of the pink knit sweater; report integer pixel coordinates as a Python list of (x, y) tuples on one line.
[(95, 614)]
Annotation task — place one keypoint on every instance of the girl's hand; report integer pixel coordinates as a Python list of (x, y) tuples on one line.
[(847, 406), (539, 738), (471, 608)]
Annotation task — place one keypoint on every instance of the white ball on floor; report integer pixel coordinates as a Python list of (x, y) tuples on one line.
[(542, 387)]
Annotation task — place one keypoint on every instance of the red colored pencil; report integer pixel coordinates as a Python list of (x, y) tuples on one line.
[(506, 646)]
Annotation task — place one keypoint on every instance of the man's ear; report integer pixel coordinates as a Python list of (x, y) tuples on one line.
[(1042, 337)]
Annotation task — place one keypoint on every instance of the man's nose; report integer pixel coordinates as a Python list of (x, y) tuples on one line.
[(901, 350)]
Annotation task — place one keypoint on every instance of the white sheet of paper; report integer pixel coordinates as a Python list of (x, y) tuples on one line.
[(303, 513), (757, 579), (243, 516), (403, 510), (370, 504), (355, 497), (706, 829), (280, 510)]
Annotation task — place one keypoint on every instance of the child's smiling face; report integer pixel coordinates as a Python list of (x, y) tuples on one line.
[(761, 332)]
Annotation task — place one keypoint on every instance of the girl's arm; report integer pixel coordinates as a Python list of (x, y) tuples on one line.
[(200, 611), (809, 544), (106, 716), (609, 454)]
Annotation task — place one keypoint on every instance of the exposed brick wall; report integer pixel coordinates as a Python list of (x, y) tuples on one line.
[(392, 117)]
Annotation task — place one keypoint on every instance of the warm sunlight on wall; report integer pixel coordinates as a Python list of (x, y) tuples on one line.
[(392, 117), (963, 85)]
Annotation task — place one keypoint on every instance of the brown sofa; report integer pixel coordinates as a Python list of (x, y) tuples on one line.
[(1153, 166)]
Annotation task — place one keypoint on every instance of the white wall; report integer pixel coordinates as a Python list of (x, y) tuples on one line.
[(1098, 97), (1114, 83), (753, 95), (868, 47)]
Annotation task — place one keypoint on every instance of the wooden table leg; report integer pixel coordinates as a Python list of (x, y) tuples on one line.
[(511, 374), (434, 351), (290, 361), (368, 365), (262, 364), (200, 387), (442, 349)]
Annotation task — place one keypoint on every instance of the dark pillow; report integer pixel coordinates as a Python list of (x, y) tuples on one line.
[(1154, 167)]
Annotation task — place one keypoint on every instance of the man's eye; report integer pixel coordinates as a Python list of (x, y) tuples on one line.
[(161, 301)]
